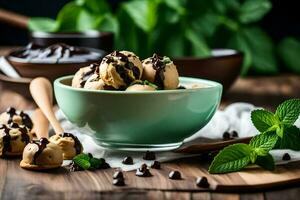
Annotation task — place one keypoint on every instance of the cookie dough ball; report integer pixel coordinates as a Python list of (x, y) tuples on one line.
[(161, 71), (83, 74), (120, 68), (69, 144), (13, 139), (94, 83), (42, 155), (12, 116)]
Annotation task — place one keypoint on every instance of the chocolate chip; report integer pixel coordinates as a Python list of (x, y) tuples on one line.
[(155, 165), (202, 182), (226, 135), (181, 87), (118, 174), (118, 182), (143, 171), (234, 134), (286, 156), (14, 125), (127, 161), (175, 175), (105, 165), (149, 155)]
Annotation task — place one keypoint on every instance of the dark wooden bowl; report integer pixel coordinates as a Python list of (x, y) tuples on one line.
[(224, 66), (48, 70), (18, 85)]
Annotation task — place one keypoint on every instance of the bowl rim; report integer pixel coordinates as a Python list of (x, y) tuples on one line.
[(213, 84)]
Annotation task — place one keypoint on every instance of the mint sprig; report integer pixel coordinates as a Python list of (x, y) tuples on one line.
[(277, 130), (88, 162)]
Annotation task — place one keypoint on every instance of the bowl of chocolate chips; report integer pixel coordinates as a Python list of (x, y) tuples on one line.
[(128, 103), (52, 61)]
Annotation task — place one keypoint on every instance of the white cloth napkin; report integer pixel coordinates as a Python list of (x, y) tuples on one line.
[(235, 117)]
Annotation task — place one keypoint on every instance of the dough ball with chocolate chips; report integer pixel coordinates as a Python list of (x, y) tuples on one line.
[(94, 83), (83, 74), (13, 116), (13, 139), (140, 87), (161, 71), (120, 68), (69, 144), (42, 155)]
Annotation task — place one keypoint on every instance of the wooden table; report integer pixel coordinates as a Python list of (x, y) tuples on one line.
[(262, 91)]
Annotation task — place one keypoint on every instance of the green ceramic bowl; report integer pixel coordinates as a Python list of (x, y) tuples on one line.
[(143, 120)]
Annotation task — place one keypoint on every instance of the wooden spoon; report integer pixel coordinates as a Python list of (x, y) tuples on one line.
[(41, 124), (41, 91)]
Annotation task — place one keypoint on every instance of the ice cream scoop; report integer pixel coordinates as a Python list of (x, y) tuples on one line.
[(83, 74), (120, 68), (69, 144), (13, 139), (95, 83), (141, 86), (41, 155), (12, 116), (161, 71)]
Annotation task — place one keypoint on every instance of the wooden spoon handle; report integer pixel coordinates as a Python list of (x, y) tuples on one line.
[(41, 124), (41, 92), (14, 19)]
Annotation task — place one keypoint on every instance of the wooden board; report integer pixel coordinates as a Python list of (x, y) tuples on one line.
[(27, 183)]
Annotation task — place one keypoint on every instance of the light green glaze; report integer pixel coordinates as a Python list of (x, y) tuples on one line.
[(139, 119)]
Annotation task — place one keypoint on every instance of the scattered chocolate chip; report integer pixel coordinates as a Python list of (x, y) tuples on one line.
[(14, 125), (202, 182), (234, 134), (149, 155), (143, 171), (118, 174), (118, 182), (181, 87), (127, 161), (105, 166), (175, 175), (74, 167), (226, 135), (286, 156), (155, 165)]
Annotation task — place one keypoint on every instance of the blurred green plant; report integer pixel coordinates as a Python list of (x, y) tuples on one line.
[(181, 28)]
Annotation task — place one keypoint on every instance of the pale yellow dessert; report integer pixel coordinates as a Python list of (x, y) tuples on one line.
[(120, 68), (161, 71), (83, 74)]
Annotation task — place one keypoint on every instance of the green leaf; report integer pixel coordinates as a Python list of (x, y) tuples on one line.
[(263, 120), (67, 17), (232, 158), (108, 23), (99, 7), (266, 162), (290, 139), (288, 111), (262, 50), (42, 24), (96, 163), (177, 5), (263, 143), (199, 45), (254, 10), (143, 13), (289, 51), (83, 160)]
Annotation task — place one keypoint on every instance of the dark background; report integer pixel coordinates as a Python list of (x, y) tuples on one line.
[(282, 21)]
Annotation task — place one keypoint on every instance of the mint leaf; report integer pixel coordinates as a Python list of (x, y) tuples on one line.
[(290, 139), (266, 162), (263, 120), (42, 24), (288, 112), (96, 163), (82, 160), (254, 10), (263, 142), (232, 158), (289, 51)]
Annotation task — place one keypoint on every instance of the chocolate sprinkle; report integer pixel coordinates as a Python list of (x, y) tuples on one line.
[(155, 165), (118, 182), (143, 171), (202, 182), (127, 161), (149, 155), (286, 157), (175, 175)]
